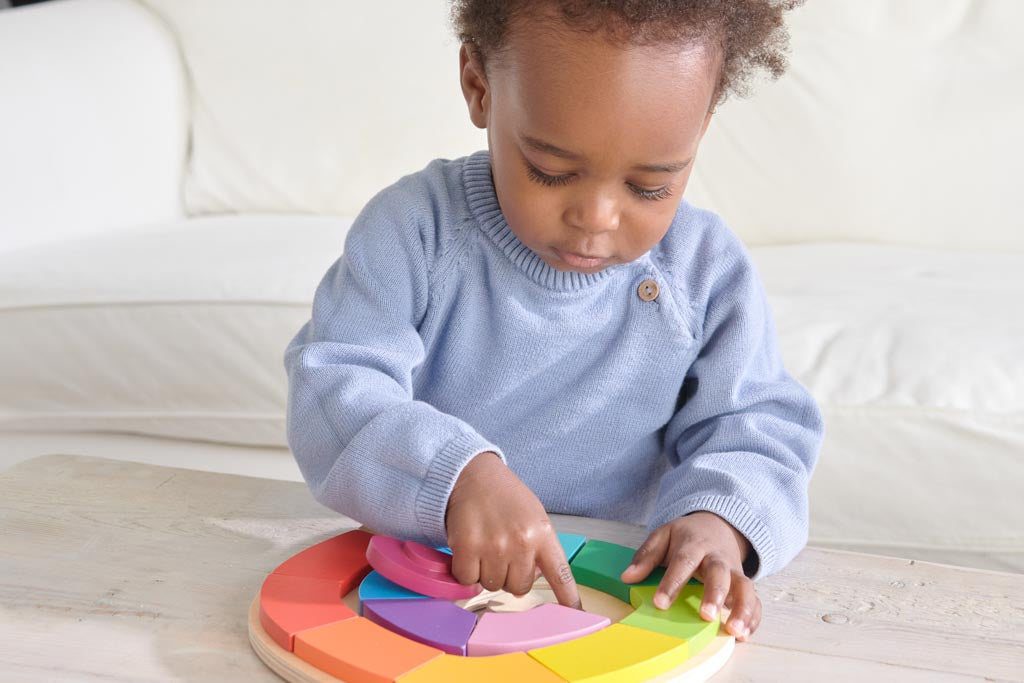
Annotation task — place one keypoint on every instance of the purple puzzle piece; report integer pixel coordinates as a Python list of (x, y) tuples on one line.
[(434, 622)]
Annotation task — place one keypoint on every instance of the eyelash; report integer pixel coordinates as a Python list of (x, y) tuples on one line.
[(558, 180)]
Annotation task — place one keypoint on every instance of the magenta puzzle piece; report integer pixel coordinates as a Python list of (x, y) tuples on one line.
[(437, 623), (418, 568)]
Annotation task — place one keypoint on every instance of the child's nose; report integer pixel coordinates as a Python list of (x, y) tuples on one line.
[(593, 212)]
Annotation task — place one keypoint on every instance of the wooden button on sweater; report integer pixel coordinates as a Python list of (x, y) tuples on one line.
[(648, 290)]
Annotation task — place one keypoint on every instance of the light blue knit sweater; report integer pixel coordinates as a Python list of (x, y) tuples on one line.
[(438, 335)]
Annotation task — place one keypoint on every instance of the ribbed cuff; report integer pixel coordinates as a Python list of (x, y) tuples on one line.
[(736, 512), (445, 468)]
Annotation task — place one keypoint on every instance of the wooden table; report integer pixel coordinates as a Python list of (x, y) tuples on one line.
[(118, 571)]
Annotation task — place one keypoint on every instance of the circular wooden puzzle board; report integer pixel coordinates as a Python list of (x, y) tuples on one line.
[(303, 632)]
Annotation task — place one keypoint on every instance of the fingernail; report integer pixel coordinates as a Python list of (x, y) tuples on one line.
[(661, 601), (746, 633), (738, 628), (710, 610), (630, 568)]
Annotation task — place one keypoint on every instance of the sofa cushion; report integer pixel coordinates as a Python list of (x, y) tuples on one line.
[(95, 120), (176, 330), (889, 110), (917, 359), (314, 106), (894, 124)]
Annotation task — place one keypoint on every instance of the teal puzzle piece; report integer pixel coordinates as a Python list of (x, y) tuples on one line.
[(376, 587)]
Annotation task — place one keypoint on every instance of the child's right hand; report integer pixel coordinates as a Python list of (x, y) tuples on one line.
[(500, 534)]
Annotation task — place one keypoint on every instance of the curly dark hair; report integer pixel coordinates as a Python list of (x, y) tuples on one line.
[(751, 34)]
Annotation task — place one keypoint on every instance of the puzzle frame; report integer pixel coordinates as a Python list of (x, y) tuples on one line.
[(307, 625)]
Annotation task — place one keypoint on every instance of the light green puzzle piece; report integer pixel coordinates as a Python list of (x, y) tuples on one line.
[(681, 620)]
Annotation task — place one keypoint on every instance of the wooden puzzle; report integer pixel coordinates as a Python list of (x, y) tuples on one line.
[(362, 608)]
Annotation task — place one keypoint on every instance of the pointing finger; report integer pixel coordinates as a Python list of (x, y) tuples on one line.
[(555, 568)]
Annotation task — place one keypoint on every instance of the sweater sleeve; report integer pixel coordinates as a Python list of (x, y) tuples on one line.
[(745, 440), (364, 445)]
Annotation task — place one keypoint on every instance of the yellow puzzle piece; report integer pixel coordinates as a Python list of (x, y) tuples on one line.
[(617, 654), (510, 668)]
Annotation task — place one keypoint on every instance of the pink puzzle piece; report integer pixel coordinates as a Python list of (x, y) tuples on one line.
[(499, 633), (416, 567)]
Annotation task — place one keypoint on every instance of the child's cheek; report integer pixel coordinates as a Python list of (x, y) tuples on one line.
[(533, 212)]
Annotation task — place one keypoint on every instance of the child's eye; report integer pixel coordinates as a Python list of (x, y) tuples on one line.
[(544, 179), (539, 176), (653, 195)]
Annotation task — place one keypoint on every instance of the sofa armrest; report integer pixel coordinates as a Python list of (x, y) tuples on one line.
[(93, 120)]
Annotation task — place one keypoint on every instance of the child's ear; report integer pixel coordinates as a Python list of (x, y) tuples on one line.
[(474, 85)]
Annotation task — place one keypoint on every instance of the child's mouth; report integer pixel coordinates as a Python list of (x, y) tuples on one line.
[(579, 260)]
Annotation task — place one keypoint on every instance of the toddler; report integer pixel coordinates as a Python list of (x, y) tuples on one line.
[(548, 326)]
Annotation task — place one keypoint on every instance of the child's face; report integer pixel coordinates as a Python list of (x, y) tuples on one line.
[(591, 143)]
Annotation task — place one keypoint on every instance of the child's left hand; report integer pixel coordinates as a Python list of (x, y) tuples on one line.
[(704, 545)]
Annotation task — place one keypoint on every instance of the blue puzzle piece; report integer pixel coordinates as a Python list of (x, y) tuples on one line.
[(376, 587)]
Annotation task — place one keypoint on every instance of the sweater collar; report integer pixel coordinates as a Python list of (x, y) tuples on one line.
[(483, 203)]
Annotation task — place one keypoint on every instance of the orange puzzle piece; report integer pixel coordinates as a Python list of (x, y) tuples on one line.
[(359, 651), (510, 668)]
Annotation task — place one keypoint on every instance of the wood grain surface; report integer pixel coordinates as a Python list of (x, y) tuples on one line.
[(119, 571)]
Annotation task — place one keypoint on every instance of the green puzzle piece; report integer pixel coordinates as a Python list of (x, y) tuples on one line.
[(599, 564), (681, 620)]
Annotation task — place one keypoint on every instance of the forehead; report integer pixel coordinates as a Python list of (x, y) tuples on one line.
[(606, 97)]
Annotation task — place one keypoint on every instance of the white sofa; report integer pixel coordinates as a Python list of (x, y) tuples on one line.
[(176, 175)]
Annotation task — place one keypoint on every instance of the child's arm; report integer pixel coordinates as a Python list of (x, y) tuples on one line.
[(369, 450), (742, 447), (366, 448)]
